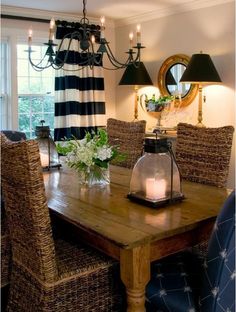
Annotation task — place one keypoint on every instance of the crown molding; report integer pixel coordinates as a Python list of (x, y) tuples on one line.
[(171, 10), (43, 14)]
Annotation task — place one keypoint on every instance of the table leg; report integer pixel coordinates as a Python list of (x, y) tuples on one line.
[(135, 274)]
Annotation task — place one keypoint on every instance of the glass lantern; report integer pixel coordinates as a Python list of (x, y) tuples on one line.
[(155, 179), (47, 148)]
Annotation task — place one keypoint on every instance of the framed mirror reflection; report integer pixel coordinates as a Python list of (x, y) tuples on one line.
[(169, 76)]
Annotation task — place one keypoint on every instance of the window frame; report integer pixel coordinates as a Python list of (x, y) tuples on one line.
[(32, 95)]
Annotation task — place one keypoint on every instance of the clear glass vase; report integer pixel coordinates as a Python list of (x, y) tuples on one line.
[(94, 175)]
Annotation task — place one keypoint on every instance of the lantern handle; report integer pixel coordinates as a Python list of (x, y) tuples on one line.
[(169, 144)]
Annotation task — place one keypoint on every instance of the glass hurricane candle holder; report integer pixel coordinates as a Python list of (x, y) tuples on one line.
[(155, 179)]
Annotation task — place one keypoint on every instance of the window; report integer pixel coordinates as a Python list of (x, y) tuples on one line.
[(4, 107), (35, 92)]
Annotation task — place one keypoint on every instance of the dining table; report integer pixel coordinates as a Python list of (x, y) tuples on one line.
[(132, 233)]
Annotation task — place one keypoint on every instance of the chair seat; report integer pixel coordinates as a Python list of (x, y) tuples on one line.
[(174, 284), (99, 288), (74, 258)]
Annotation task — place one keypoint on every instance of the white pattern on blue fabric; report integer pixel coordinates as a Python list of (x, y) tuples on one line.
[(215, 291)]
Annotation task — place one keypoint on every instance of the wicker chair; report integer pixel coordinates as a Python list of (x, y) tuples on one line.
[(203, 154), (5, 250), (5, 239), (129, 137), (49, 274)]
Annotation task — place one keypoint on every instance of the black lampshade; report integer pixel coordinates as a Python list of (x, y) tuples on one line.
[(200, 70), (136, 75), (170, 80)]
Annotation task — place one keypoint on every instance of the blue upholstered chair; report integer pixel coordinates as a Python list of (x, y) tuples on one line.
[(14, 135), (187, 283)]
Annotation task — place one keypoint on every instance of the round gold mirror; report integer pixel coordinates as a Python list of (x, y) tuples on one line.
[(169, 76)]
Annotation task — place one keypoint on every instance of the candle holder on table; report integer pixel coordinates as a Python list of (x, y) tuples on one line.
[(47, 148), (155, 179)]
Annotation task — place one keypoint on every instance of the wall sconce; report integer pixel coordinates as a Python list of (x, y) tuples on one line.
[(155, 179), (47, 148), (201, 71), (136, 75)]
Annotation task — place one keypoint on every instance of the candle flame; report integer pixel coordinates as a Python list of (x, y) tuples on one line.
[(102, 20)]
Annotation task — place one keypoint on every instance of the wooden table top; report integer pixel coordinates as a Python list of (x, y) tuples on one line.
[(110, 214)]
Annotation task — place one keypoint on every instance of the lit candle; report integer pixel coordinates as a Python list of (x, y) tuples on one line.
[(30, 34), (138, 33), (93, 39), (155, 189), (131, 36), (51, 29), (44, 159), (102, 20)]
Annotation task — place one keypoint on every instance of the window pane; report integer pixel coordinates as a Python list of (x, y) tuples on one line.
[(23, 87), (49, 120), (47, 85), (33, 72), (22, 68), (36, 118), (23, 105), (21, 51), (36, 105), (24, 122), (49, 104), (35, 85)]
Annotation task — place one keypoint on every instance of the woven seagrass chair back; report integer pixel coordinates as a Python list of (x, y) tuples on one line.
[(26, 208), (203, 154), (129, 137), (5, 239)]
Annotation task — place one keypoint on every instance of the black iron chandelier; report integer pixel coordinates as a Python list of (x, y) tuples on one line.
[(92, 47)]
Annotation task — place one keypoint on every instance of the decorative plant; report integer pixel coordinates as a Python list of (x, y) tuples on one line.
[(90, 156), (158, 105)]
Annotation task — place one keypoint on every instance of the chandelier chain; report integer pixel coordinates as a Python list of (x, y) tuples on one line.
[(84, 10)]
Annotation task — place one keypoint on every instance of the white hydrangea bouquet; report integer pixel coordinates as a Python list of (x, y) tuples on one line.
[(90, 156)]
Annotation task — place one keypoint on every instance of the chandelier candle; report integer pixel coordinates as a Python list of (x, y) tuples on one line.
[(30, 37), (51, 29), (102, 20), (131, 37), (138, 34)]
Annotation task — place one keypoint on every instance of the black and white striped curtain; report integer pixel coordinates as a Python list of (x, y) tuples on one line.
[(79, 95)]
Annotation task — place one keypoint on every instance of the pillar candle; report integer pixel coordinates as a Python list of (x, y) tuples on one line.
[(155, 189)]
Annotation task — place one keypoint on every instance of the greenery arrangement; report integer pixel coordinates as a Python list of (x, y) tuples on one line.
[(90, 156), (158, 105)]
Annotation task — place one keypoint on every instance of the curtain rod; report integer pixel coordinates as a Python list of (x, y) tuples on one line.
[(23, 18)]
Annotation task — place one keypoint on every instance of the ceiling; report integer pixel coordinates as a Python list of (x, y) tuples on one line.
[(112, 9)]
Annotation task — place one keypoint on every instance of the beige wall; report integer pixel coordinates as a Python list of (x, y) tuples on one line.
[(210, 30)]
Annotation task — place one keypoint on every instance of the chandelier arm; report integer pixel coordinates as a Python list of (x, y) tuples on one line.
[(116, 64), (112, 57), (37, 67), (129, 60), (57, 58)]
